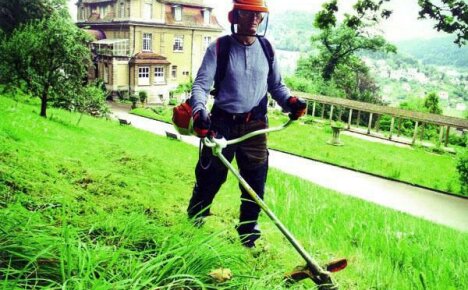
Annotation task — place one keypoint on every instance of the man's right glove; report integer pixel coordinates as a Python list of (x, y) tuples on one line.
[(297, 107), (201, 123)]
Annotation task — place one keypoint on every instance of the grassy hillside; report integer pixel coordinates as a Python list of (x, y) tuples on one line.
[(102, 206), (438, 51)]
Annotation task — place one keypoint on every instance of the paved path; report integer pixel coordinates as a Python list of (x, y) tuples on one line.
[(433, 206)]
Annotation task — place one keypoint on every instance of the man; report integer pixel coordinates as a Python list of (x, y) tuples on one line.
[(240, 107)]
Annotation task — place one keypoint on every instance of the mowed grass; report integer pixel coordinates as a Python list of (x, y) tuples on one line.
[(416, 165), (102, 206)]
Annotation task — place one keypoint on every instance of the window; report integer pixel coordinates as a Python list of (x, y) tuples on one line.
[(178, 43), (148, 11), (206, 16), (206, 42), (178, 13), (147, 41), (122, 10), (102, 11), (174, 71), (143, 76), (159, 75)]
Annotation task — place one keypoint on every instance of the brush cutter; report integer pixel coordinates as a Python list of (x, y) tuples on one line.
[(319, 275)]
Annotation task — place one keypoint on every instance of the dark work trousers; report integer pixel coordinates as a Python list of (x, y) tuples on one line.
[(252, 160)]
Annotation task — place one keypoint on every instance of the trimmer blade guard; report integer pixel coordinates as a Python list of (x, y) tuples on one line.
[(304, 272)]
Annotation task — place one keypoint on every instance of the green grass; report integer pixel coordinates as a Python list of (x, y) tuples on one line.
[(414, 165), (102, 206), (158, 113), (390, 161)]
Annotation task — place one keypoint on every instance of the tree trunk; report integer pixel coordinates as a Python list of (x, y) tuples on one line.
[(44, 105)]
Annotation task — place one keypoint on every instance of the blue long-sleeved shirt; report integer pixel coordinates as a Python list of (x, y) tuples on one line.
[(245, 83)]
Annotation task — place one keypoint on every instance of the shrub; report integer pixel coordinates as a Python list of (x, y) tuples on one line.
[(143, 95), (462, 167), (134, 100)]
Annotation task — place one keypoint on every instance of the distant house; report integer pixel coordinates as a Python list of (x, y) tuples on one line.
[(406, 87), (460, 107), (150, 45), (443, 95)]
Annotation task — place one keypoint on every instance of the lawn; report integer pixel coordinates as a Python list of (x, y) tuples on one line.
[(95, 205)]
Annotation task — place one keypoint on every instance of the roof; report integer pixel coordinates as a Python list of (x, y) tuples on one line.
[(96, 1), (194, 3), (149, 58), (191, 17), (386, 110)]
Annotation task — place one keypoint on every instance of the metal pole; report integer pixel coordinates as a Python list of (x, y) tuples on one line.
[(312, 264)]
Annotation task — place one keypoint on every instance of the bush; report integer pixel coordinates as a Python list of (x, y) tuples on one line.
[(93, 102), (460, 140), (123, 95), (462, 167), (143, 96), (134, 100)]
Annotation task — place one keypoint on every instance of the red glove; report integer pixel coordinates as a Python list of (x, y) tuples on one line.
[(297, 107), (201, 123)]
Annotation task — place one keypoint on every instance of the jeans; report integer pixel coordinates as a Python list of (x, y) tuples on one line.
[(252, 160)]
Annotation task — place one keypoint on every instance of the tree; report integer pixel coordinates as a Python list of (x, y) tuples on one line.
[(17, 12), (431, 103), (451, 15), (339, 45), (48, 57)]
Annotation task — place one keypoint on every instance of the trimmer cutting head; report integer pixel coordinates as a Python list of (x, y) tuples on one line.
[(324, 282)]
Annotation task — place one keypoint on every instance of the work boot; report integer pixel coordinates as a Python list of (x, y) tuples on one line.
[(198, 220), (248, 238)]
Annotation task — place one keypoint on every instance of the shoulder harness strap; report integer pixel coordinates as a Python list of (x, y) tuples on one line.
[(268, 50), (223, 47)]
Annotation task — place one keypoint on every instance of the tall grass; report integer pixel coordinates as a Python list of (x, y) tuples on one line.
[(102, 206)]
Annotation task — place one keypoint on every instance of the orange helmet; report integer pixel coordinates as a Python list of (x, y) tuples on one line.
[(250, 5)]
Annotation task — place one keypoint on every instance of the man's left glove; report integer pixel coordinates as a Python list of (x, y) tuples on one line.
[(297, 107), (201, 123)]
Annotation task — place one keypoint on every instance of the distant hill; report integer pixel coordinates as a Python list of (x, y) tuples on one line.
[(291, 30), (437, 51)]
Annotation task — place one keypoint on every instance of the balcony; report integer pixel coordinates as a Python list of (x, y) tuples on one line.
[(112, 47)]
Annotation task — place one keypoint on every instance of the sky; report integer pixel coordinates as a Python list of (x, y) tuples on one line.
[(402, 25)]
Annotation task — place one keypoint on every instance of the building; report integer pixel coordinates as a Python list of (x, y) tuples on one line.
[(147, 45)]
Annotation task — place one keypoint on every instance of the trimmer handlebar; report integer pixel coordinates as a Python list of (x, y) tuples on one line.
[(223, 143)]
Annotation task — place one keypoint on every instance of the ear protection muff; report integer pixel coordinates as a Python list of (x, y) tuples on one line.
[(233, 17)]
